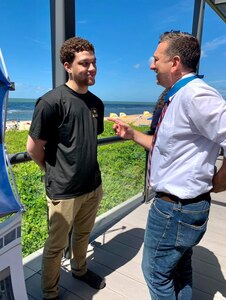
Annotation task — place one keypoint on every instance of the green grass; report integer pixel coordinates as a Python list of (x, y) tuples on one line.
[(122, 165)]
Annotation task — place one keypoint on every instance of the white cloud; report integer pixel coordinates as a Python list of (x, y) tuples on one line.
[(203, 53), (29, 91), (136, 66), (41, 44), (214, 44), (82, 22), (150, 60), (218, 81), (169, 19)]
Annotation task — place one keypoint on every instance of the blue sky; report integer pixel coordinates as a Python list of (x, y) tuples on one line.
[(125, 34)]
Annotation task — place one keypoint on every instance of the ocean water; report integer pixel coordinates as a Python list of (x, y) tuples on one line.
[(22, 109)]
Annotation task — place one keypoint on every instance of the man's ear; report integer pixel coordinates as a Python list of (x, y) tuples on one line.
[(176, 61), (67, 67)]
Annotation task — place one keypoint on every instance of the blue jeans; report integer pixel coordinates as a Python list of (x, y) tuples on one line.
[(172, 230)]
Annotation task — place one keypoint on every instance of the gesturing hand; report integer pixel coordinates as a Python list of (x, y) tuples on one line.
[(122, 129)]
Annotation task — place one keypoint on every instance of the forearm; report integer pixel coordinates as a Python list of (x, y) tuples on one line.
[(219, 179), (142, 139), (35, 149), (39, 159)]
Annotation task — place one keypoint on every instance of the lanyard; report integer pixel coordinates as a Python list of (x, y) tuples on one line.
[(178, 85)]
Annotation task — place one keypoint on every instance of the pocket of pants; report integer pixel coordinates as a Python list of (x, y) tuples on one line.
[(190, 235), (162, 208), (157, 223)]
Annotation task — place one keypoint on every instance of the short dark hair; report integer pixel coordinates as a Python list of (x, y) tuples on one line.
[(73, 45), (185, 45)]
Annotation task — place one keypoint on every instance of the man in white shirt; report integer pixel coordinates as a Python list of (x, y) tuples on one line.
[(182, 161)]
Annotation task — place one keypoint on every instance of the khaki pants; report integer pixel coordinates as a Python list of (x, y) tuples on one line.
[(76, 214)]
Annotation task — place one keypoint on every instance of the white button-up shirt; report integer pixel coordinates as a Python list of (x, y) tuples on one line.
[(188, 141)]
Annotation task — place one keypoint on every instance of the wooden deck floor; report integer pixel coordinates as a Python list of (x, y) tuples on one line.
[(116, 255)]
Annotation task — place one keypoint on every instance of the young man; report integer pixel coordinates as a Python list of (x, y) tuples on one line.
[(183, 153), (63, 142)]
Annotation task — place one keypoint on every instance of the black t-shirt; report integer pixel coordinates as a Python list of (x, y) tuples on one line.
[(70, 123)]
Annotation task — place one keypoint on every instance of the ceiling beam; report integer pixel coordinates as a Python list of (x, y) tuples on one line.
[(219, 6)]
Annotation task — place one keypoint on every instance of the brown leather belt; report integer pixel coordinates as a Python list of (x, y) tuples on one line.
[(175, 199)]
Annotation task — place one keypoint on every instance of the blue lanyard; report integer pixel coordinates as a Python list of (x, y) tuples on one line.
[(178, 85)]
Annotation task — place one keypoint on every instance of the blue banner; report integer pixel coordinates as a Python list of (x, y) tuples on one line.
[(8, 198)]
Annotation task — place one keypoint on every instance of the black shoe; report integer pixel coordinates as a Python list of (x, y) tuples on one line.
[(92, 279), (55, 298)]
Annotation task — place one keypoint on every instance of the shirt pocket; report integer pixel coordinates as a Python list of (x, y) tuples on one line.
[(164, 142)]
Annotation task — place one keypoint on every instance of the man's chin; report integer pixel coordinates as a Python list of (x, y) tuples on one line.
[(157, 80), (91, 82)]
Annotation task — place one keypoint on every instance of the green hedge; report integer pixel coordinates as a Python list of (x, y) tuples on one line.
[(122, 166)]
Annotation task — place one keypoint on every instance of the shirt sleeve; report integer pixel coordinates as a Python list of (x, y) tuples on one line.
[(207, 113), (43, 121)]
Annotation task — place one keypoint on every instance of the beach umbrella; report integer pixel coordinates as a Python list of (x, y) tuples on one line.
[(9, 199)]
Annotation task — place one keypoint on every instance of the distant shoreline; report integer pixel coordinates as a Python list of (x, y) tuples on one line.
[(136, 120), (21, 110), (33, 100)]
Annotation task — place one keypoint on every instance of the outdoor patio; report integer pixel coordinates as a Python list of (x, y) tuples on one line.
[(116, 255)]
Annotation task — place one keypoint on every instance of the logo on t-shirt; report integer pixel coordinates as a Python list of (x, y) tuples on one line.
[(94, 112)]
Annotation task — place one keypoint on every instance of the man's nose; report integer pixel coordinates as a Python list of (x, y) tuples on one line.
[(92, 67), (152, 66)]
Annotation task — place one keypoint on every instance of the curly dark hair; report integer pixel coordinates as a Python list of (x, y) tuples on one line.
[(184, 45), (73, 45)]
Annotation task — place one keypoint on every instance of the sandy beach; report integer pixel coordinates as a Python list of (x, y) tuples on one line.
[(137, 120), (18, 125)]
